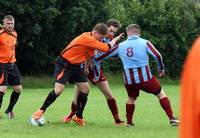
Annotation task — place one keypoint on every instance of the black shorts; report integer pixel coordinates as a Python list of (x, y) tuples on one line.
[(68, 73), (9, 74)]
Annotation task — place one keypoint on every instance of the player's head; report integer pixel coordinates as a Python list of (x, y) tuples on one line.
[(113, 26), (8, 23), (133, 29), (99, 31)]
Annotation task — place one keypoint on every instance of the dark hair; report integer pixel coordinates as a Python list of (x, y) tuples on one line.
[(101, 28), (114, 22), (8, 17)]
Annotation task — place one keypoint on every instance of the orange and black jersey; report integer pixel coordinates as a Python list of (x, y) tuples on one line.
[(190, 94), (7, 46), (82, 48)]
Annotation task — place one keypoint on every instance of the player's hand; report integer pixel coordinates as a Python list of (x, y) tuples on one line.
[(114, 40), (87, 64), (86, 71), (119, 36), (161, 73)]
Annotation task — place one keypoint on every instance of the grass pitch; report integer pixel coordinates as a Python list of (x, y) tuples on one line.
[(149, 118)]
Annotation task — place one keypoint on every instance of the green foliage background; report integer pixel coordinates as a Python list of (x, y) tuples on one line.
[(45, 27), (171, 25)]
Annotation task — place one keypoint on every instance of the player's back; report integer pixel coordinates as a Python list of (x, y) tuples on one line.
[(134, 56), (133, 52)]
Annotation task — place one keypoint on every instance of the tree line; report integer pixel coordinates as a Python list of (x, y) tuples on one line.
[(45, 27)]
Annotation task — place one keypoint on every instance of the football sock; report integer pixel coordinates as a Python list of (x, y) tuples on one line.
[(13, 100), (1, 98), (73, 107), (81, 102), (49, 100), (165, 104), (113, 108), (130, 108)]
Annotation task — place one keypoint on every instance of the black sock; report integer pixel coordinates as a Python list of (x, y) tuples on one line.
[(1, 98), (13, 100), (81, 102), (49, 100)]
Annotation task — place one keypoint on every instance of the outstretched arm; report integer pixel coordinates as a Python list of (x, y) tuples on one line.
[(110, 53), (114, 40), (157, 57)]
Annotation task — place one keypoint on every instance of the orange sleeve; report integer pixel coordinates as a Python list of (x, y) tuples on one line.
[(91, 42), (82, 47), (190, 94)]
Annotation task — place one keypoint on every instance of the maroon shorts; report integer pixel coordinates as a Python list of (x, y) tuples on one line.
[(91, 77), (152, 86)]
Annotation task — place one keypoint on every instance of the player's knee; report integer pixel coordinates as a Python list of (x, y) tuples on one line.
[(107, 92), (131, 100), (58, 91), (17, 88), (59, 88), (85, 89), (161, 94), (3, 89), (109, 97)]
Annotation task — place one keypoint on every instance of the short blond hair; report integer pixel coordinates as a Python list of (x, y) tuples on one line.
[(8, 17), (133, 27)]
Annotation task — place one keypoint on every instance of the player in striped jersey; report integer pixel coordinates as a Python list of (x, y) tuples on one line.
[(137, 75)]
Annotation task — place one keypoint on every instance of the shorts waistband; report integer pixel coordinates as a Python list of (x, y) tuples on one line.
[(67, 62), (7, 63)]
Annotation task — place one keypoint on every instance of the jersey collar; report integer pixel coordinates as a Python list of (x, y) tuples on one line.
[(133, 37)]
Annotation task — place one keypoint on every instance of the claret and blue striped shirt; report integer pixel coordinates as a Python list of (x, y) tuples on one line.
[(134, 54)]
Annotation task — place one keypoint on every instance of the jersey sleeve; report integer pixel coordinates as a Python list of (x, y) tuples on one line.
[(155, 54), (110, 53), (91, 42)]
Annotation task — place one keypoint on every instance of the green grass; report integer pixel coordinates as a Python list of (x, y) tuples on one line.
[(114, 79), (150, 120)]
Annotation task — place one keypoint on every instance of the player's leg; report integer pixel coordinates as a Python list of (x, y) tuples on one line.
[(81, 102), (61, 77), (166, 106), (2, 92), (69, 116), (133, 93), (112, 104), (3, 84), (58, 89), (130, 108), (52, 96), (14, 79), (153, 86), (13, 100)]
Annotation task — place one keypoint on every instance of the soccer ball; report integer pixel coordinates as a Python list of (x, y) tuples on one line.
[(38, 122)]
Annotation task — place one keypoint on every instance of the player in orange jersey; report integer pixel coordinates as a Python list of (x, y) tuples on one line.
[(97, 77), (69, 68), (190, 94), (9, 73)]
